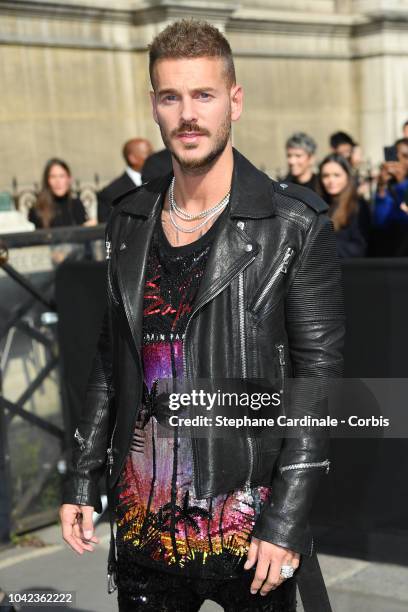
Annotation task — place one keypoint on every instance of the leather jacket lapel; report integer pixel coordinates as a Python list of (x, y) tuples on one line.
[(230, 253), (132, 258)]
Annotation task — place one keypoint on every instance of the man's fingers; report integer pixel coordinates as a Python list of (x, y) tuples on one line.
[(75, 520), (87, 522), (274, 579), (94, 539), (78, 548), (67, 534), (67, 515), (261, 572), (81, 544), (79, 538), (252, 554), (73, 536)]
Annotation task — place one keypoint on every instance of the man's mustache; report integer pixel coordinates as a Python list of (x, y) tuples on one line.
[(190, 127)]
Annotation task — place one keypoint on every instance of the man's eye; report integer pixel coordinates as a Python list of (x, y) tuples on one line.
[(204, 95), (169, 98)]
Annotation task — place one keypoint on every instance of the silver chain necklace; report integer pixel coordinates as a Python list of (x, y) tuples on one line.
[(185, 215), (208, 214)]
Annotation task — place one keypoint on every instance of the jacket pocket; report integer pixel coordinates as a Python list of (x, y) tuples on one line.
[(278, 273)]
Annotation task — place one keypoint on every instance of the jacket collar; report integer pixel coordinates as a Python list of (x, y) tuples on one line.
[(252, 194)]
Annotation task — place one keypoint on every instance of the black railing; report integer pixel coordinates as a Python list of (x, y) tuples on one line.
[(34, 431)]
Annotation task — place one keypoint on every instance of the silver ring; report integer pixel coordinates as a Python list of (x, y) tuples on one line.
[(287, 571)]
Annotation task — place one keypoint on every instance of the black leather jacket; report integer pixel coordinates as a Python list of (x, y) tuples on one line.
[(269, 303)]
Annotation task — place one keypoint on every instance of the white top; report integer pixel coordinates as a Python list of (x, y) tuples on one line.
[(12, 221), (134, 175)]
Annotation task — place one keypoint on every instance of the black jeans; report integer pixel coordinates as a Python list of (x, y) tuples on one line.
[(158, 591)]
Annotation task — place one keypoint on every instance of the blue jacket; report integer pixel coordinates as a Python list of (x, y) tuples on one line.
[(387, 209)]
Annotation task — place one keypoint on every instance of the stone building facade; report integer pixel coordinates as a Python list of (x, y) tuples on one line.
[(74, 80)]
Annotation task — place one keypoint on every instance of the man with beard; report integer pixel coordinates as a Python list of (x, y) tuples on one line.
[(215, 271)]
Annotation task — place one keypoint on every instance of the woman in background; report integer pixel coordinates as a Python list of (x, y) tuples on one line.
[(349, 212), (55, 206)]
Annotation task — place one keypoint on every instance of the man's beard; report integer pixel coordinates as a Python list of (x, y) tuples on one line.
[(199, 165)]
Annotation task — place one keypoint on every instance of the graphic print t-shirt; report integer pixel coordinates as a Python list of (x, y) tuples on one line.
[(159, 521)]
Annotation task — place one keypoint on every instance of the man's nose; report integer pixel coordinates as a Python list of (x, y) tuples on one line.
[(188, 112)]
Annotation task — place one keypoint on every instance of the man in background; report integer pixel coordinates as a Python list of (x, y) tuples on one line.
[(301, 155), (135, 153), (342, 144)]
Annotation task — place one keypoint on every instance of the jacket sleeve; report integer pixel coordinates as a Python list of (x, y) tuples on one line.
[(315, 327), (89, 454), (383, 209)]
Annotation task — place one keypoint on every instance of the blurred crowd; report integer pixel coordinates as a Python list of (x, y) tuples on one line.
[(369, 210)]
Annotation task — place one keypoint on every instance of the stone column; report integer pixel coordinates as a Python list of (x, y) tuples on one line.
[(380, 58)]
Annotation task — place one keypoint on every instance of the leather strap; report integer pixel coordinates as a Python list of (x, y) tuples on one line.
[(112, 561), (311, 585)]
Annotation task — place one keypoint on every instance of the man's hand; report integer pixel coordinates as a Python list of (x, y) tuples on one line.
[(269, 559), (77, 527)]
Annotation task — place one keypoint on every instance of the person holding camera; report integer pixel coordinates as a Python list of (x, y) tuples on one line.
[(391, 188), (390, 214)]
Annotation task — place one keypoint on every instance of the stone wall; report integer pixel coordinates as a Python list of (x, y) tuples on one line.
[(74, 76)]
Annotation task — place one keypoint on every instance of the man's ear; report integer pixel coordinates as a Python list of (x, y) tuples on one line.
[(237, 99), (154, 106)]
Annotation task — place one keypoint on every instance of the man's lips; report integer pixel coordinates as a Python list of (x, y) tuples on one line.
[(189, 135)]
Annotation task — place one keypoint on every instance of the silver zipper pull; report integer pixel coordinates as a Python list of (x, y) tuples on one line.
[(110, 450), (79, 439), (281, 353), (286, 260), (110, 460), (111, 584), (282, 363), (108, 246)]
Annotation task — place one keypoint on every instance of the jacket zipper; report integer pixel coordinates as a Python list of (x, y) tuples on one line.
[(79, 439), (281, 269), (244, 363), (196, 310), (308, 464), (108, 246), (185, 352), (282, 363), (110, 451)]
